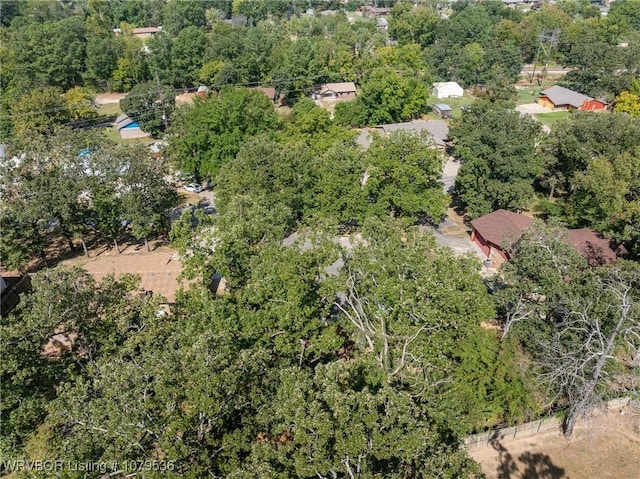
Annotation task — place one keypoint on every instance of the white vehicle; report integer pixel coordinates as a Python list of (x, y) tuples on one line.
[(193, 188)]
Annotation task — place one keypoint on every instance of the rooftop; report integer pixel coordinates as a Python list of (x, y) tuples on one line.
[(440, 84), (563, 96), (123, 121), (501, 227), (592, 245), (158, 271), (437, 128), (346, 87)]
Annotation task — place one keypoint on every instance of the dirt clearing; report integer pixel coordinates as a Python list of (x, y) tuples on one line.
[(605, 446)]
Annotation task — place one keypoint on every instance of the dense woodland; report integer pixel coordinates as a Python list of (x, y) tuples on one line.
[(372, 360)]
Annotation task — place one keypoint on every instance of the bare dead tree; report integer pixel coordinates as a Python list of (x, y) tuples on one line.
[(370, 317), (586, 339), (520, 311)]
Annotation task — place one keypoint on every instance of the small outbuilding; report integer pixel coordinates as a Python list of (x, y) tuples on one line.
[(447, 89), (129, 128), (382, 23), (442, 110)]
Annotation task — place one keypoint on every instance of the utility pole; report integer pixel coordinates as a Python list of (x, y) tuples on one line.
[(546, 44), (165, 120)]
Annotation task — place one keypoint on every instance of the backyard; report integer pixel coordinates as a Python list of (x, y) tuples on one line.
[(455, 103), (606, 446)]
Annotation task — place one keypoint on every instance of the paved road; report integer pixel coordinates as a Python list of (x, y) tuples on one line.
[(449, 174), (527, 69)]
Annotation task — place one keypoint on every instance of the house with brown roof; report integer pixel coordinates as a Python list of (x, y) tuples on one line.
[(596, 248), (335, 91), (373, 12), (496, 232), (560, 98), (159, 272), (141, 32), (269, 92)]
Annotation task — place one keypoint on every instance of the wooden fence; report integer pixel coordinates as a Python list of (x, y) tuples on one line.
[(527, 429)]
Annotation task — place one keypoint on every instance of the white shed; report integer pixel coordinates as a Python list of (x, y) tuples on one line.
[(447, 89)]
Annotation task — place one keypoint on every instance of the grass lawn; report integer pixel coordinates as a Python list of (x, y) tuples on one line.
[(552, 118), (454, 103), (528, 95), (113, 135), (110, 109)]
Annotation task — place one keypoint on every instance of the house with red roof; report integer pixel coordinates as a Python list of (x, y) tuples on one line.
[(498, 231)]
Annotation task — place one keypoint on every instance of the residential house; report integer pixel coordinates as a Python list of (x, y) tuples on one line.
[(269, 92), (129, 128), (593, 246), (336, 91), (498, 231), (237, 21), (446, 89), (561, 98), (374, 12), (158, 272), (437, 129), (142, 32), (442, 110)]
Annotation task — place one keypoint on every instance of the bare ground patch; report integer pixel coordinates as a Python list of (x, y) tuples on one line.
[(605, 446)]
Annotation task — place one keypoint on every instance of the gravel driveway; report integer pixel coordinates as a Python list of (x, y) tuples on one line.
[(532, 109)]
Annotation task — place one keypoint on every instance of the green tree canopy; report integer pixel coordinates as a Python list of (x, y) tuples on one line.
[(208, 134), (500, 162), (38, 112), (403, 177), (389, 97)]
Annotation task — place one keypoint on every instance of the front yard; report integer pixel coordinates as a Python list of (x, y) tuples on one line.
[(552, 118)]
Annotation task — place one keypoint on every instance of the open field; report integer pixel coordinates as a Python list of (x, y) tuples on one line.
[(605, 446)]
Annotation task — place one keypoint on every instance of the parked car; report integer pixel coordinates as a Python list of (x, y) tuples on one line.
[(193, 188)]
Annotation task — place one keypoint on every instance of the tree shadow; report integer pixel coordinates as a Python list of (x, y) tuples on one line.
[(536, 465), (507, 467), (539, 466)]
